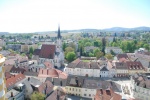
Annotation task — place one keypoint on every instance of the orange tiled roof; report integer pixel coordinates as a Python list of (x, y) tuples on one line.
[(14, 79)]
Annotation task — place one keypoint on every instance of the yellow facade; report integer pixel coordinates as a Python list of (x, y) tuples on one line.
[(2, 79), (26, 47), (136, 71)]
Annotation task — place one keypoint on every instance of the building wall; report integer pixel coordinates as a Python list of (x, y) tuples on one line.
[(83, 72), (82, 92), (26, 48), (136, 71), (2, 79), (116, 51), (104, 73)]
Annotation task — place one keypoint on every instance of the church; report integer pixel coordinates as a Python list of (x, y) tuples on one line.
[(52, 53)]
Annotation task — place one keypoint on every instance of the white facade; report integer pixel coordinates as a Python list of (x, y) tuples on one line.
[(116, 50), (83, 72), (104, 74)]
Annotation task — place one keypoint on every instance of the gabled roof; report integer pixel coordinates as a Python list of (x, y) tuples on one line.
[(104, 69), (134, 65), (14, 79), (46, 86), (17, 70), (47, 51)]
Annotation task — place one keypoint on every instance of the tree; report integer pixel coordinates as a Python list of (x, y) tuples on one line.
[(64, 45), (91, 54), (37, 96), (31, 50), (108, 56), (88, 44), (68, 49), (70, 56), (146, 46), (96, 51), (112, 52), (30, 55), (99, 54), (72, 45), (103, 45), (23, 54)]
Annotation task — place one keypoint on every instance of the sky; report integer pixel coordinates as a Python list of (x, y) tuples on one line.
[(45, 15)]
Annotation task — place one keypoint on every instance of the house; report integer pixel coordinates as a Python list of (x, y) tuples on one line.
[(121, 58), (135, 67), (90, 48), (107, 94), (87, 87), (111, 68), (140, 84), (121, 69), (33, 67), (81, 68), (116, 50), (15, 95), (26, 47), (58, 94), (17, 61), (13, 79), (104, 72), (15, 47), (53, 73)]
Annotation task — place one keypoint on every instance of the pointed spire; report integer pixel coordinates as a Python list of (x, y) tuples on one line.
[(58, 35)]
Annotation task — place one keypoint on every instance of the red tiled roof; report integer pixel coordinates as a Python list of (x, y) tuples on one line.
[(63, 75), (106, 95), (47, 51), (8, 68), (48, 65), (14, 79), (52, 73), (8, 75), (134, 65), (48, 73)]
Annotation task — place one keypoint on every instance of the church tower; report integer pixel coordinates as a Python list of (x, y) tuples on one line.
[(59, 41), (58, 35)]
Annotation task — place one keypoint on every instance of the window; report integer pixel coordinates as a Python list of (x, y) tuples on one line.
[(84, 94), (89, 95), (70, 89), (79, 90)]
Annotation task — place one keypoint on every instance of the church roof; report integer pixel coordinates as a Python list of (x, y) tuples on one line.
[(47, 51)]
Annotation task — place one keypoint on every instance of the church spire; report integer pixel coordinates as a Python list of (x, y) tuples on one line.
[(58, 35)]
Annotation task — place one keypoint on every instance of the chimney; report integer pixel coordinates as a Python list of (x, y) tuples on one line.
[(42, 71), (28, 78), (61, 83), (58, 95), (47, 71), (76, 79), (12, 94), (52, 80)]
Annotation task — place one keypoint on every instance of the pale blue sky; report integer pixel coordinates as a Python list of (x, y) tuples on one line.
[(44, 15)]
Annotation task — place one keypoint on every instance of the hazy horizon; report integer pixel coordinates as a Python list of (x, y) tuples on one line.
[(26, 16)]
